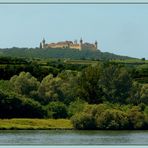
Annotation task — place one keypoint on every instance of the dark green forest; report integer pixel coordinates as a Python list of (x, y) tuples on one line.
[(93, 94), (59, 53)]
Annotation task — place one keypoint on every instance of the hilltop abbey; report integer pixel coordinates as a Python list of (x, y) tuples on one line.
[(69, 44)]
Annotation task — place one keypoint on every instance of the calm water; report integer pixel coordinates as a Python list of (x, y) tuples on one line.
[(71, 137)]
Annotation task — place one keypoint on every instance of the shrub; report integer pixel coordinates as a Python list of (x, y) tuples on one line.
[(6, 86), (144, 94), (15, 106), (83, 121), (146, 117), (57, 110), (32, 109), (100, 117), (112, 119), (75, 107), (136, 118), (95, 110), (146, 110)]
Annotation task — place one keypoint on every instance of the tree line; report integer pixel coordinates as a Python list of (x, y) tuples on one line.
[(101, 96), (59, 53)]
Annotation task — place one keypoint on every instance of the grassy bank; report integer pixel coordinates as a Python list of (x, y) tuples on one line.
[(34, 124)]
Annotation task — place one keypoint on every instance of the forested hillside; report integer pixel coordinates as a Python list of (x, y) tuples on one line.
[(59, 53)]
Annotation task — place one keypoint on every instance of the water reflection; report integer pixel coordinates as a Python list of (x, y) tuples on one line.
[(72, 137)]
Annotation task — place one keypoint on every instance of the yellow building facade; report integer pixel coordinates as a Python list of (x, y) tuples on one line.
[(69, 44)]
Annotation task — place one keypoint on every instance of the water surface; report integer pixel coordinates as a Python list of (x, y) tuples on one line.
[(72, 137)]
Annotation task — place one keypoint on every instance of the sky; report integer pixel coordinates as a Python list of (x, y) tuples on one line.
[(119, 28)]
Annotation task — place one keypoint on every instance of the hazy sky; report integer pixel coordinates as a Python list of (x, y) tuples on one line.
[(120, 29)]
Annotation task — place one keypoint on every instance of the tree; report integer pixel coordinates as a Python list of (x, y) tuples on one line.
[(50, 89), (57, 110), (105, 82), (143, 59), (15, 106), (138, 94), (89, 84), (24, 83), (116, 83), (134, 96), (144, 94), (136, 118), (69, 85)]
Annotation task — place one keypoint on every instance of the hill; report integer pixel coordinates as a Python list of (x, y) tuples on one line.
[(59, 53)]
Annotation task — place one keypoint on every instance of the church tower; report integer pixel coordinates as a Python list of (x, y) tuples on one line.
[(81, 43), (96, 44), (43, 43), (40, 45)]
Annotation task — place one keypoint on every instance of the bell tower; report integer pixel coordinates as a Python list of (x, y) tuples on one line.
[(81, 43), (43, 43), (96, 44)]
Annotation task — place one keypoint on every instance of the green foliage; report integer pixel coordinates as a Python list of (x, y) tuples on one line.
[(24, 84), (105, 83), (69, 86), (50, 89), (61, 88), (76, 107), (146, 111), (136, 118), (58, 53), (10, 60), (15, 106), (107, 116), (57, 110), (116, 83), (37, 67), (89, 84), (138, 94), (143, 59), (144, 94), (140, 73), (98, 96), (83, 121), (94, 110), (134, 96), (104, 116), (5, 86), (112, 119)]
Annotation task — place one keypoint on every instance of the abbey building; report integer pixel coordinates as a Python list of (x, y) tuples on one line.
[(69, 44)]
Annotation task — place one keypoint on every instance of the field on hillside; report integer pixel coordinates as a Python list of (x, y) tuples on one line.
[(42, 67), (87, 61), (132, 61)]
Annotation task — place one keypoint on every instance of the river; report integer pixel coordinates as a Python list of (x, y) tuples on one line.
[(72, 137)]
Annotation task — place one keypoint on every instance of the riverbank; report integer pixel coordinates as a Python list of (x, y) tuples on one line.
[(35, 124)]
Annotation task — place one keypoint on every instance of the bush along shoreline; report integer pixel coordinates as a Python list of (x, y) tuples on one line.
[(103, 117), (103, 96)]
